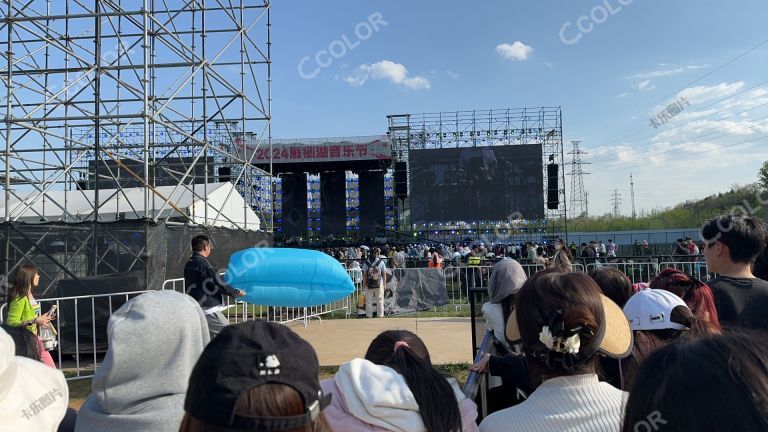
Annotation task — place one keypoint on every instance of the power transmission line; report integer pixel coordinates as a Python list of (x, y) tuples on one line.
[(690, 83)]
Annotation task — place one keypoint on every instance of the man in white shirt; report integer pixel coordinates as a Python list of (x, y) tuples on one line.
[(374, 281)]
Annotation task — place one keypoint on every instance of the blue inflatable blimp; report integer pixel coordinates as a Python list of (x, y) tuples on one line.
[(288, 277)]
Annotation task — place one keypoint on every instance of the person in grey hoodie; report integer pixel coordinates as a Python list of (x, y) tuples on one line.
[(155, 340)]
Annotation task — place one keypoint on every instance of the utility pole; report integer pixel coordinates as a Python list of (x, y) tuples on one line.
[(632, 193), (578, 205), (616, 199), (586, 204)]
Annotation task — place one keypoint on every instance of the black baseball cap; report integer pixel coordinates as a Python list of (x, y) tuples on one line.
[(247, 355)]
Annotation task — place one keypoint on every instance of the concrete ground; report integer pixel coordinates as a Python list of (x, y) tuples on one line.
[(449, 340)]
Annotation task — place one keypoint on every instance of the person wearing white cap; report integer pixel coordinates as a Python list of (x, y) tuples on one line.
[(33, 396), (657, 317)]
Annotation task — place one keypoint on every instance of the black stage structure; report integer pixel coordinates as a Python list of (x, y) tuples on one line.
[(328, 188), (493, 174)]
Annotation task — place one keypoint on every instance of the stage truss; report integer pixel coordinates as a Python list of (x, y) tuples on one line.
[(90, 85), (497, 127)]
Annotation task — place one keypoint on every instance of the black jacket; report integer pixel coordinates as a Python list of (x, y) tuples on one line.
[(204, 284)]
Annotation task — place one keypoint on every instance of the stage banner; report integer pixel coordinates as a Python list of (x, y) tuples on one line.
[(313, 150), (412, 290)]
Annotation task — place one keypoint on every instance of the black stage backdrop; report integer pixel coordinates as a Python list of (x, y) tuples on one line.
[(476, 183)]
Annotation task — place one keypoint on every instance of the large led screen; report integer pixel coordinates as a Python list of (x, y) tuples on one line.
[(476, 183)]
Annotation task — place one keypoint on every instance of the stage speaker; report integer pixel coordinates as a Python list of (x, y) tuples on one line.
[(401, 180), (224, 174), (553, 191)]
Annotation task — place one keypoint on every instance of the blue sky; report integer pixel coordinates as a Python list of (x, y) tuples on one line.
[(636, 59)]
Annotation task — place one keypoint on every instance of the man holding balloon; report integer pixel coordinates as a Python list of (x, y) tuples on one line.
[(203, 283)]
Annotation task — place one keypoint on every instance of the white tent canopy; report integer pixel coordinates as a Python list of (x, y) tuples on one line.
[(226, 207)]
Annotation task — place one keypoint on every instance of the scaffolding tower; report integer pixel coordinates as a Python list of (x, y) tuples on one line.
[(101, 94)]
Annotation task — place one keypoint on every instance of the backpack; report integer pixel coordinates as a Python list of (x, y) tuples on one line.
[(373, 275)]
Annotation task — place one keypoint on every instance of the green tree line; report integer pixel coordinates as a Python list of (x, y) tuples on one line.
[(690, 214)]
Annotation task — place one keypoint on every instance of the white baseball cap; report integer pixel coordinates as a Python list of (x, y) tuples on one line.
[(33, 396), (651, 309)]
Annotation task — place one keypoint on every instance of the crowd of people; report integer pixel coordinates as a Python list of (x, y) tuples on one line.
[(573, 351)]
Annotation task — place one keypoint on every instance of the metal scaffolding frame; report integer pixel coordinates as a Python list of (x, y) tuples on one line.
[(495, 127), (126, 92)]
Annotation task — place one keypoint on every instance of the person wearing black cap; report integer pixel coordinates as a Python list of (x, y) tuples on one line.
[(256, 376), (203, 283)]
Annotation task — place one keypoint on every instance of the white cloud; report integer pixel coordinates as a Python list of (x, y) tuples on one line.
[(701, 94), (387, 70), (622, 94), (451, 74), (666, 71), (549, 65), (514, 51), (356, 80), (705, 137), (645, 85)]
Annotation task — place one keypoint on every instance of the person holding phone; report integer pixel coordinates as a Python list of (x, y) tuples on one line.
[(24, 310)]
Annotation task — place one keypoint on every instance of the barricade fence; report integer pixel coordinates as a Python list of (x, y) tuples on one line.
[(82, 320)]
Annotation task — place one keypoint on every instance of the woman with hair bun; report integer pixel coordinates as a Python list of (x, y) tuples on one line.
[(564, 322), (396, 388)]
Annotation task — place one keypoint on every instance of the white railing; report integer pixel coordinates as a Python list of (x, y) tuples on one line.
[(697, 269), (238, 311), (94, 311), (90, 339)]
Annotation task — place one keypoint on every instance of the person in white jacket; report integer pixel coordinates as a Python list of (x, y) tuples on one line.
[(396, 388)]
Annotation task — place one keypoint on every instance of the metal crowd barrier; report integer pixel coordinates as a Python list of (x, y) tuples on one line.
[(645, 271), (240, 311), (82, 320), (81, 323), (697, 269)]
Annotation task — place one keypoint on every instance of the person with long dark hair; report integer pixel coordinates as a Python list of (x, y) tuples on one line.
[(711, 384), (396, 388), (614, 283), (562, 259), (616, 286), (564, 322), (23, 308)]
